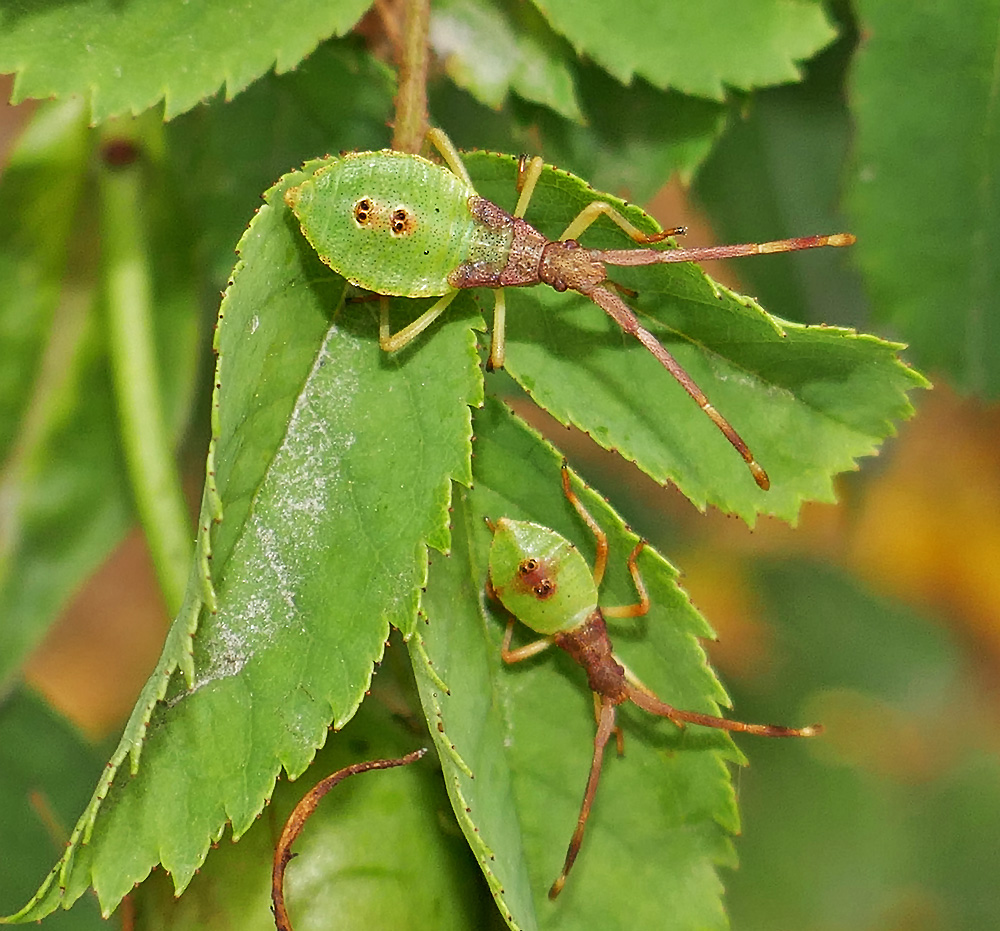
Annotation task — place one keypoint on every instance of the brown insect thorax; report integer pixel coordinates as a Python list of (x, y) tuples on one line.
[(590, 646), (531, 258)]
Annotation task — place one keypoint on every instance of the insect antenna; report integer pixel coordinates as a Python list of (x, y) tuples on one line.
[(708, 253), (623, 316), (661, 709)]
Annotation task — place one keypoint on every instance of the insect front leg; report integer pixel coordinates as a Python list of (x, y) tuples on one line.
[(597, 208), (642, 605), (439, 139), (392, 342), (601, 557)]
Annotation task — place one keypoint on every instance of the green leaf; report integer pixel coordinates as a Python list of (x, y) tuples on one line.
[(493, 48), (343, 866), (516, 742), (127, 58), (928, 216), (39, 194), (327, 515), (698, 48), (223, 154), (809, 401), (910, 793), (46, 773), (68, 500), (776, 172), (634, 139)]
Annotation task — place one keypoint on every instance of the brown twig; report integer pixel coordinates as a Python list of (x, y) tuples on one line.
[(297, 821), (411, 99)]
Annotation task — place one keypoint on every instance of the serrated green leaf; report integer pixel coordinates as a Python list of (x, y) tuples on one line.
[(809, 401), (327, 515), (493, 48), (697, 48), (928, 216), (635, 138), (776, 172), (224, 153), (663, 812), (343, 865), (127, 58), (46, 773)]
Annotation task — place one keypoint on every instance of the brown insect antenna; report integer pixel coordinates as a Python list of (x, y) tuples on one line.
[(605, 728), (612, 305), (708, 253), (297, 821), (661, 709)]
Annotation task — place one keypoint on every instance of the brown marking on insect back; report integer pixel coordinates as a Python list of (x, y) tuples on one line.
[(363, 211), (590, 646), (534, 576), (402, 222)]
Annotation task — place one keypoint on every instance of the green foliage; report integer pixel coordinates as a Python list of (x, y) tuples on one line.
[(932, 265), (346, 490), (526, 732), (46, 773), (127, 58)]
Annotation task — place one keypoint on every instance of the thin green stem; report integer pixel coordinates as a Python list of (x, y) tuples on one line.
[(148, 449), (411, 101)]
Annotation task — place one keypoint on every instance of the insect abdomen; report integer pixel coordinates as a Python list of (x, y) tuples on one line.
[(389, 222)]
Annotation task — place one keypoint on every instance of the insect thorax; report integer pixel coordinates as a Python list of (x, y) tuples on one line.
[(506, 250)]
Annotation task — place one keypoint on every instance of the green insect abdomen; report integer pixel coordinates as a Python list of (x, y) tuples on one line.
[(389, 222)]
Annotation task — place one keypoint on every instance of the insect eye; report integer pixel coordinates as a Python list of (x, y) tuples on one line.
[(363, 211), (527, 566)]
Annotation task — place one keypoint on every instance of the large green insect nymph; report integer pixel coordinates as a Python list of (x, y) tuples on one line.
[(544, 582), (398, 224)]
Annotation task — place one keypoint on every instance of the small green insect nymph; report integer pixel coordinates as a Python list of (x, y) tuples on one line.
[(398, 224), (544, 582)]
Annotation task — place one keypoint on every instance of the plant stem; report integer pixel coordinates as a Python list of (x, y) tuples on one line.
[(411, 100), (148, 449)]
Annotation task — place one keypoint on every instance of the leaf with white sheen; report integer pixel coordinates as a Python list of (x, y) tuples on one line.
[(334, 466)]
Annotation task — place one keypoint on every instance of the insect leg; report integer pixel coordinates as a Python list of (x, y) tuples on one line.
[(439, 139), (526, 652), (396, 341), (527, 178), (642, 605), (597, 208), (605, 728), (619, 734), (498, 340), (620, 313), (645, 699), (601, 557)]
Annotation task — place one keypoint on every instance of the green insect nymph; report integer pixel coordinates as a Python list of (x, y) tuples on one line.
[(398, 224), (544, 582), (547, 583)]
